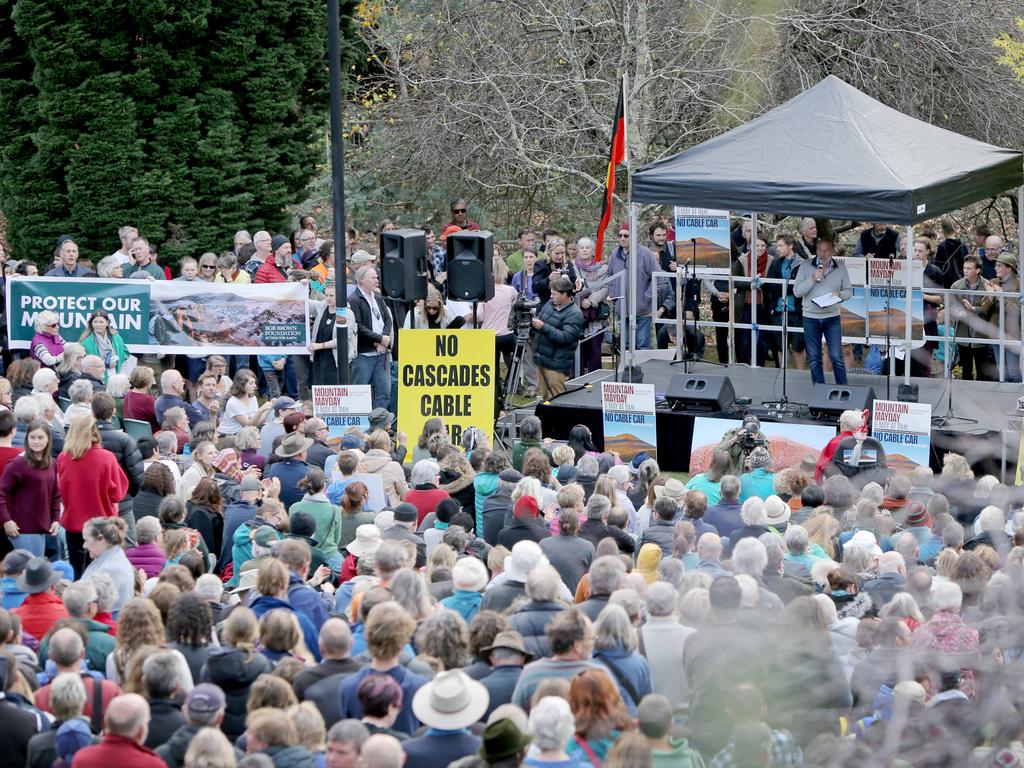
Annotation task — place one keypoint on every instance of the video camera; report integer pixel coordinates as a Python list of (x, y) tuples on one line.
[(751, 437), (520, 319)]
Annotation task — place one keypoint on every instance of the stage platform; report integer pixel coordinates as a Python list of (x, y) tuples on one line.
[(990, 444)]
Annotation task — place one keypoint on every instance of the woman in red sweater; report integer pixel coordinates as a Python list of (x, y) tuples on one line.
[(91, 483), (29, 498)]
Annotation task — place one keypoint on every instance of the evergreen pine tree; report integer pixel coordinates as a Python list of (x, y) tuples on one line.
[(186, 118)]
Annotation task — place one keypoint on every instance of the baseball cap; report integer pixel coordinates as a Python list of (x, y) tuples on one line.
[(205, 697), (284, 403)]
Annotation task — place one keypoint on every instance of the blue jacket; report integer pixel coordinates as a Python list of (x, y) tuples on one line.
[(13, 597), (306, 601), (264, 604), (725, 516), (436, 747), (464, 602), (409, 682), (236, 513), (289, 472), (627, 667)]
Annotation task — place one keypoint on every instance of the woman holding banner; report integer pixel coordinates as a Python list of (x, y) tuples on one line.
[(102, 339), (47, 346)]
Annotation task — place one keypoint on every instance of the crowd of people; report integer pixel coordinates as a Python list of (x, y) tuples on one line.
[(221, 592)]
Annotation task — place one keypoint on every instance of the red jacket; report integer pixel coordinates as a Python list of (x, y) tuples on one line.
[(90, 486), (39, 612), (425, 501), (269, 273), (826, 455), (116, 750)]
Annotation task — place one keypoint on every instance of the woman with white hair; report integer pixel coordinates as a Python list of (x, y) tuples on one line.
[(754, 515), (615, 646), (552, 725), (592, 300), (663, 641), (532, 618), (945, 632), (47, 346), (45, 383), (849, 423), (796, 547)]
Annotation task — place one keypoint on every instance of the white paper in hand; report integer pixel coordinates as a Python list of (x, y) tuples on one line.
[(827, 300)]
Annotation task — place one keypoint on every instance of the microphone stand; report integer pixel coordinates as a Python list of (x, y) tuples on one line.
[(782, 405), (690, 355)]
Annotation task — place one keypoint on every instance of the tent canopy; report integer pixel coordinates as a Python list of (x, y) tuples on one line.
[(833, 152)]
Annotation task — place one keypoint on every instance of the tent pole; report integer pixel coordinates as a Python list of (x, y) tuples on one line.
[(633, 245), (752, 248), (1020, 245), (630, 287), (909, 263)]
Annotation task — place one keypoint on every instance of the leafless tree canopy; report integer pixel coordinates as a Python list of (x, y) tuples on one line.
[(510, 100)]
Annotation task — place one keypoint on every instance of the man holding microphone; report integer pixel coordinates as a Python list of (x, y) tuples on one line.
[(823, 284)]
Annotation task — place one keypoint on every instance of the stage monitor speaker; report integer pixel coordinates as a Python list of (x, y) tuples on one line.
[(403, 272), (471, 266), (828, 401), (698, 392)]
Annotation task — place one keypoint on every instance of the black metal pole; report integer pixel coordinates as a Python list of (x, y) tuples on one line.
[(338, 186)]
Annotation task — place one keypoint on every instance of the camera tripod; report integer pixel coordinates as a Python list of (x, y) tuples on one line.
[(513, 378)]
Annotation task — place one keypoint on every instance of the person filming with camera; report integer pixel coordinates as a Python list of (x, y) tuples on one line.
[(739, 442), (558, 328)]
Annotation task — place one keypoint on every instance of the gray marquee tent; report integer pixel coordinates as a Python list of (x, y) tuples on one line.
[(832, 152)]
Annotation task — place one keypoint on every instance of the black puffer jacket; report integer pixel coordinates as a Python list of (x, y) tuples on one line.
[(558, 338), (227, 667), (125, 449), (531, 620)]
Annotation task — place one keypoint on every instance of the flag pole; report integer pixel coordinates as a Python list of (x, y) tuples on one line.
[(631, 264)]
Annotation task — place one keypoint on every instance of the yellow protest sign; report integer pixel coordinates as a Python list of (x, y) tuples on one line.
[(447, 374)]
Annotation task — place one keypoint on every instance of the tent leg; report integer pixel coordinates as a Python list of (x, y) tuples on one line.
[(910, 302), (753, 278), (1020, 247), (634, 211)]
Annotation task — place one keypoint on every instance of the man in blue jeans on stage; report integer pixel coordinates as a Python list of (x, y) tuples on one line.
[(823, 284)]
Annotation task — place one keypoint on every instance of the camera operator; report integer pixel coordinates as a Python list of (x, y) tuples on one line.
[(740, 441), (559, 328)]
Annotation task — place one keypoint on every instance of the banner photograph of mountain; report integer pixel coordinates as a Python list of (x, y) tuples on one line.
[(628, 446), (705, 253)]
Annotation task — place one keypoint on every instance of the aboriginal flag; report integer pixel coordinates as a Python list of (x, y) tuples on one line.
[(616, 157)]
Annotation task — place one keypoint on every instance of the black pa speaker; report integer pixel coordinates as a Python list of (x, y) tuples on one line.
[(704, 394), (828, 401), (403, 272), (470, 266)]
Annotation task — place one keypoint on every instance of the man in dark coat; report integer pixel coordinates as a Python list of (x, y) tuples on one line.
[(320, 684), (507, 656), (596, 528), (559, 328), (404, 529), (126, 451)]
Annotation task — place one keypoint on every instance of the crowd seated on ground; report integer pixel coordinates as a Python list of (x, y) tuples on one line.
[(584, 611)]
